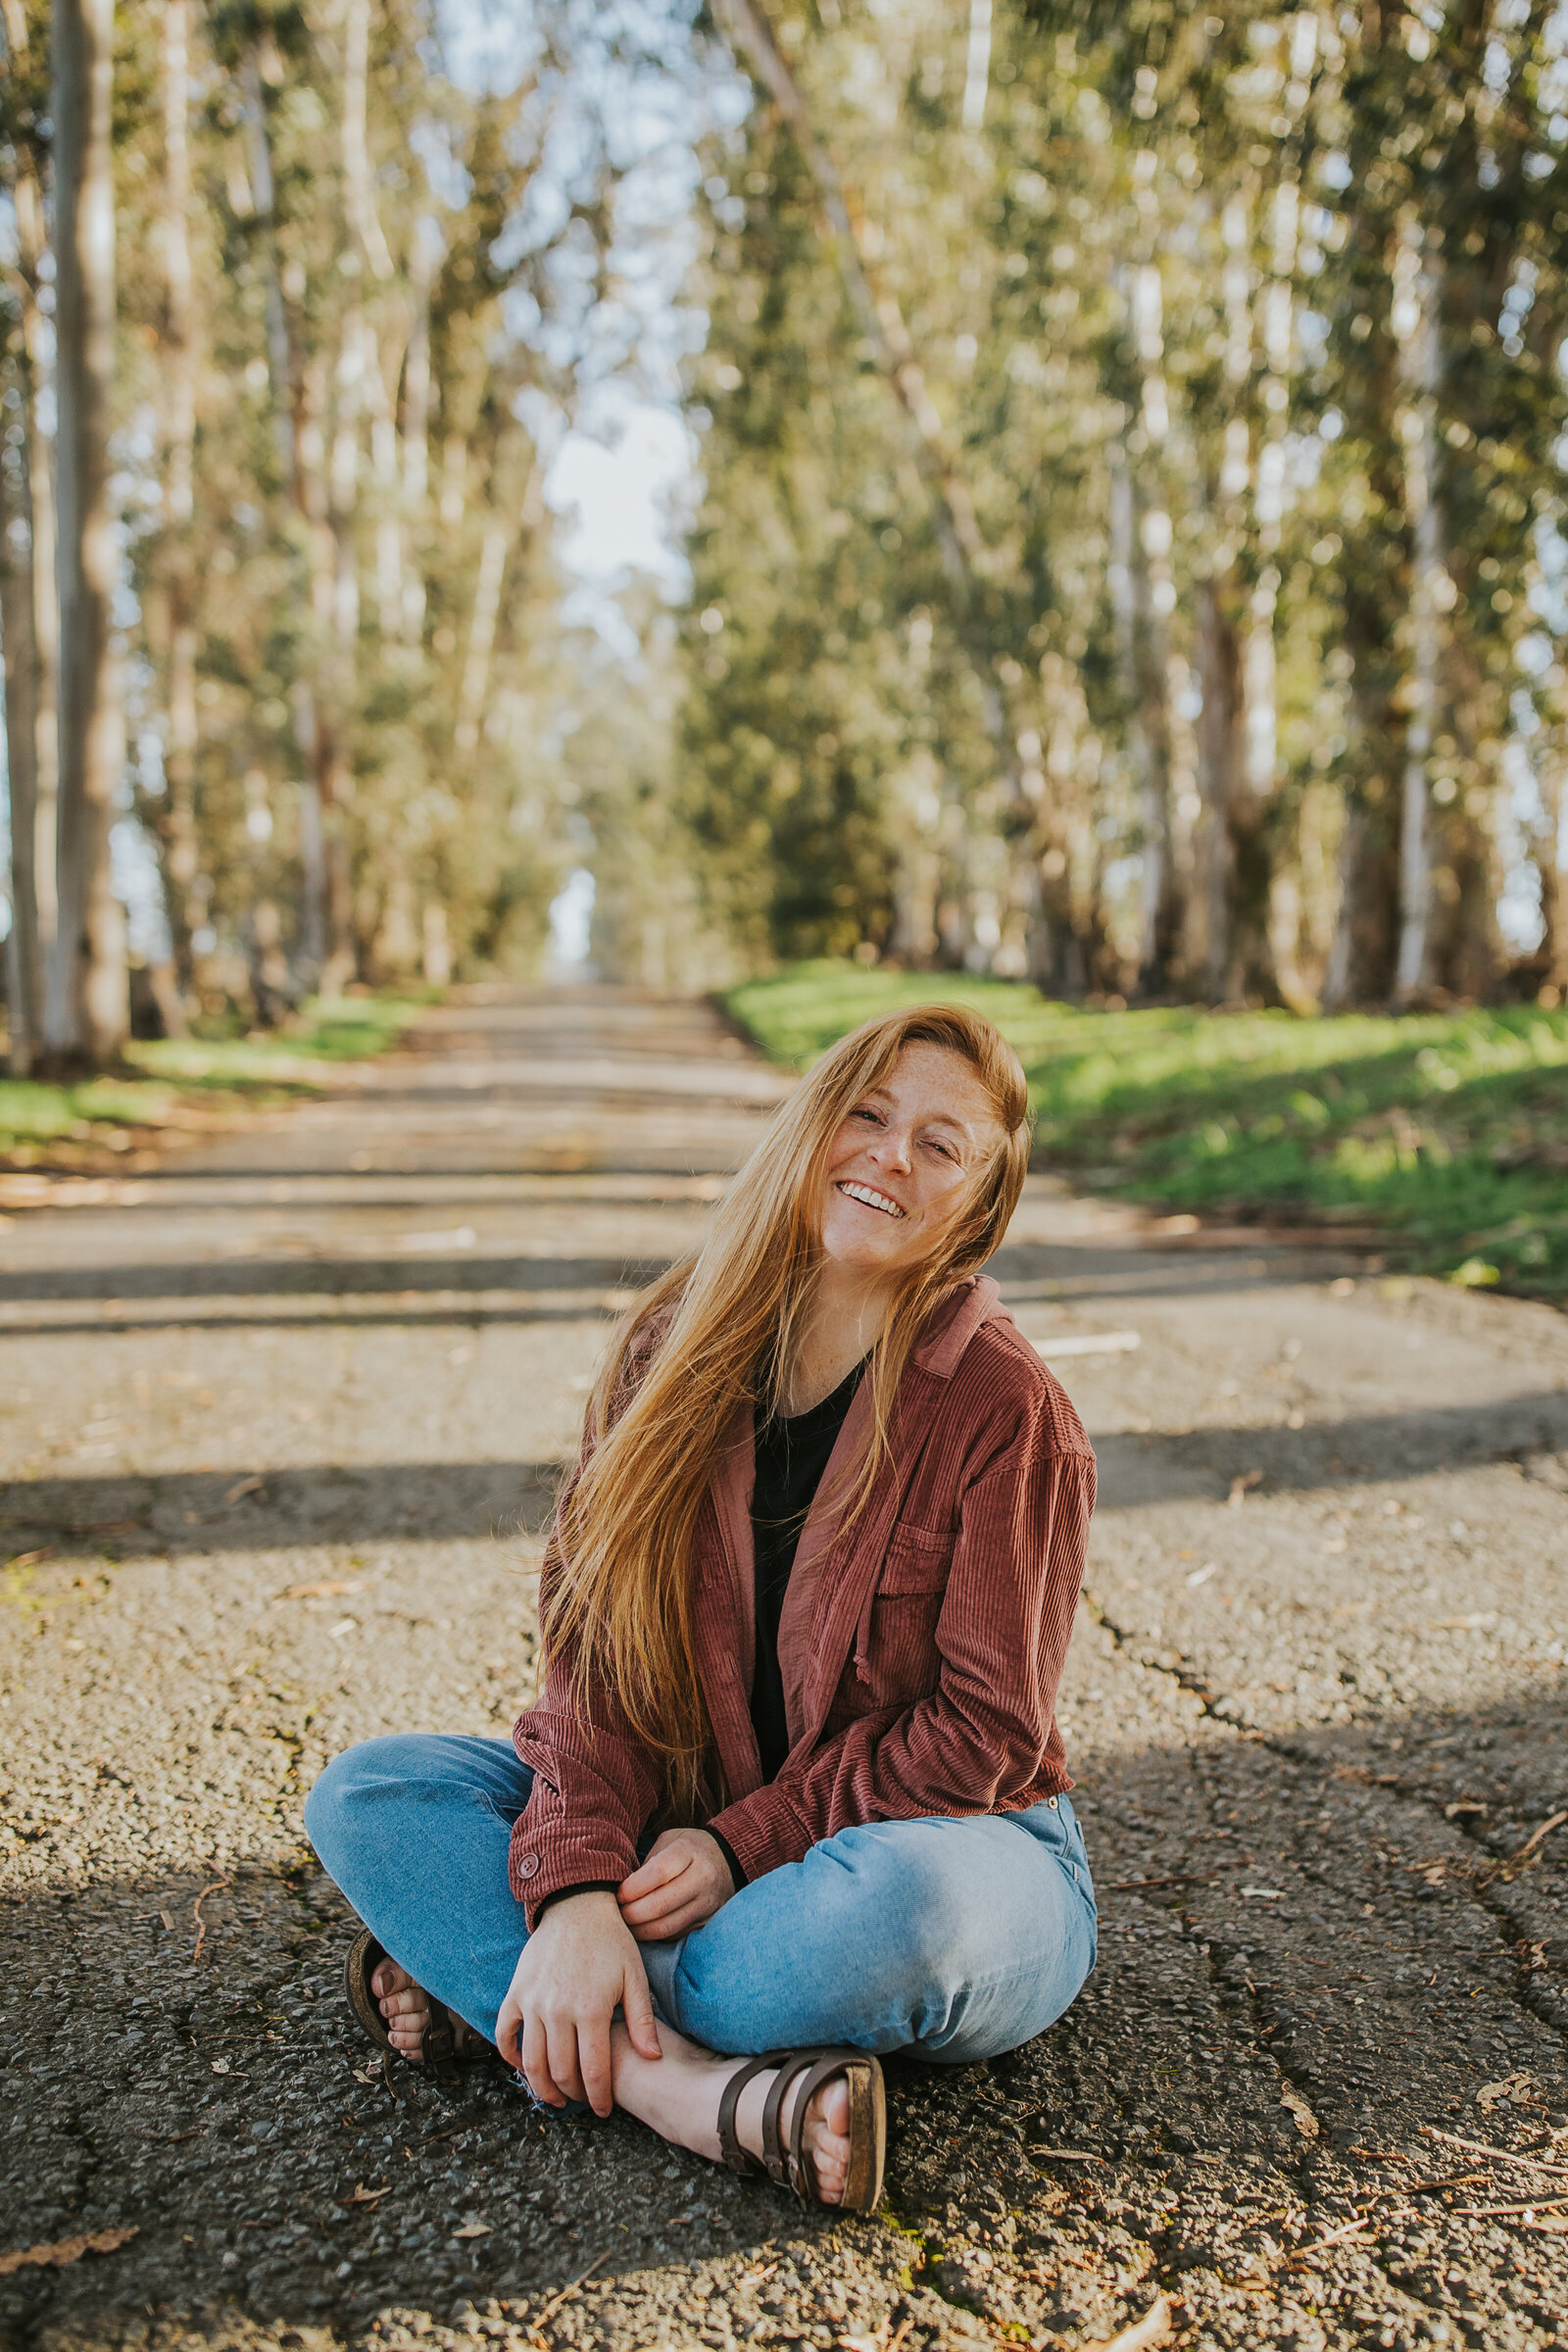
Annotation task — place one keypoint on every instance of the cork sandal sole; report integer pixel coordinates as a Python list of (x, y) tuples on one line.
[(790, 2166), (447, 2042)]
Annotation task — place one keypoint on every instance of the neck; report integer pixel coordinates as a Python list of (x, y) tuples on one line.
[(840, 1326)]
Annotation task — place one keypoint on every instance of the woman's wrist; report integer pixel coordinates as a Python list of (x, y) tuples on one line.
[(570, 1894)]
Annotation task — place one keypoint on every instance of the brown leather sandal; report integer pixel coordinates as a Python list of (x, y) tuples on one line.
[(792, 2167), (447, 2042)]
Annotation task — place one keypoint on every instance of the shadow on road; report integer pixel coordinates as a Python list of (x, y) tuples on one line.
[(1260, 2026), (199, 1510), (190, 1510)]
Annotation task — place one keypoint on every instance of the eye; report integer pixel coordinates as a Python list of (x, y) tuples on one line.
[(934, 1143), (863, 1111)]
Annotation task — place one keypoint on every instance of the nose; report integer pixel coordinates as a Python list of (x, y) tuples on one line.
[(891, 1150)]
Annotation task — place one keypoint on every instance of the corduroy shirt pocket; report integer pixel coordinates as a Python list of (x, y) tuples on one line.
[(901, 1661)]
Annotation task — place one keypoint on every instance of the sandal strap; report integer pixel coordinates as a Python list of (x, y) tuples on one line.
[(735, 2156), (364, 1957), (828, 2063), (792, 2064), (439, 2046)]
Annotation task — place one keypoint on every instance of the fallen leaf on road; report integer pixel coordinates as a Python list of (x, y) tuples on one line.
[(1512, 2087), (63, 2251), (1263, 1895), (1305, 2121), (473, 2229), (372, 2196), (220, 2066), (327, 1590), (1241, 1486), (243, 1486)]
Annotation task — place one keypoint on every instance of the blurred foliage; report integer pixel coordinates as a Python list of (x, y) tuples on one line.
[(1448, 1131), (1166, 276), (173, 1083)]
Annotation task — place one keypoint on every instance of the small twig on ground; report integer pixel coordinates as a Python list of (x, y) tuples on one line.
[(1530, 1845), (1149, 2330), (1479, 2147), (196, 1914), (547, 2310), (1474, 2213), (1364, 2221), (1186, 1878)]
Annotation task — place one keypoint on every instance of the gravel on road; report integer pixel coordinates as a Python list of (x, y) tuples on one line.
[(281, 1424)]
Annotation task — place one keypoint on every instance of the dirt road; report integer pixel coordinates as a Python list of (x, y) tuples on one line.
[(280, 1429)]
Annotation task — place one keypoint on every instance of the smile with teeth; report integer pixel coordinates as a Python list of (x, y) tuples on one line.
[(869, 1199)]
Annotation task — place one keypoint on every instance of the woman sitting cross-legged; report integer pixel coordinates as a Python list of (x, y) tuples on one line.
[(794, 1791)]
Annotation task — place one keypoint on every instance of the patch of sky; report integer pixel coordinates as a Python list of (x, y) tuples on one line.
[(571, 917)]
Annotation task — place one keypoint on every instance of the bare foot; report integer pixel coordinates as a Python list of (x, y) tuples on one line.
[(406, 2006), (678, 2095)]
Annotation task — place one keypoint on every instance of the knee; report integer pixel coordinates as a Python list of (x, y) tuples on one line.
[(344, 1797)]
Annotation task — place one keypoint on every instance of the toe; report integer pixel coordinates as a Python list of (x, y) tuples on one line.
[(827, 2136), (409, 2002)]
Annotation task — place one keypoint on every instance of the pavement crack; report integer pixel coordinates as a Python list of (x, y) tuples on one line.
[(1131, 1646)]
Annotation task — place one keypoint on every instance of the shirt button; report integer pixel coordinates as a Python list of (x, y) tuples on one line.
[(530, 1863), (1052, 1802)]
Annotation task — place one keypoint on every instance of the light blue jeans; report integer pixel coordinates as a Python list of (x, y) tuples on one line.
[(957, 1940)]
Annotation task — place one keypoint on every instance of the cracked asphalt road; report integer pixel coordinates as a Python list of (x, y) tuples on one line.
[(281, 1424)]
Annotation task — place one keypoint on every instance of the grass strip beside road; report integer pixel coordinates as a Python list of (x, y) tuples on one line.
[(1448, 1131), (193, 1084)]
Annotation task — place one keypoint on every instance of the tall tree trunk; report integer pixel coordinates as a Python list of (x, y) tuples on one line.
[(1219, 761), (284, 391), (1551, 847), (1141, 662), (179, 435), (31, 506), (1420, 295), (23, 962), (86, 1016)]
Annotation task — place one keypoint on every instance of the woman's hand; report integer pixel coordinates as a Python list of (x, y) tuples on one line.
[(577, 1968), (684, 1880)]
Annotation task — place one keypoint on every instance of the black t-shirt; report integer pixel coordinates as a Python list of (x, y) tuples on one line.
[(791, 1457)]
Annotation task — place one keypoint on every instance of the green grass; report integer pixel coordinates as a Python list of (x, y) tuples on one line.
[(189, 1082), (1448, 1131)]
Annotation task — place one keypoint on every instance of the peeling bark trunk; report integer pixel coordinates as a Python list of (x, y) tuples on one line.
[(86, 1016), (1549, 847), (1422, 366), (1220, 765), (179, 435), (1142, 663), (32, 623), (24, 961)]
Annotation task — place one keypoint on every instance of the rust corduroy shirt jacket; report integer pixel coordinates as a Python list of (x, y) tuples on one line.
[(921, 1647)]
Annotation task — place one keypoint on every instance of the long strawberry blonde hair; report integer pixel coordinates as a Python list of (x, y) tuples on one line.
[(617, 1602)]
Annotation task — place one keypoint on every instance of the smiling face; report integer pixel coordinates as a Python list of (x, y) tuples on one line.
[(903, 1161)]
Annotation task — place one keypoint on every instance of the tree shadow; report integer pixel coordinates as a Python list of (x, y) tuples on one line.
[(222, 2104), (202, 1510)]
